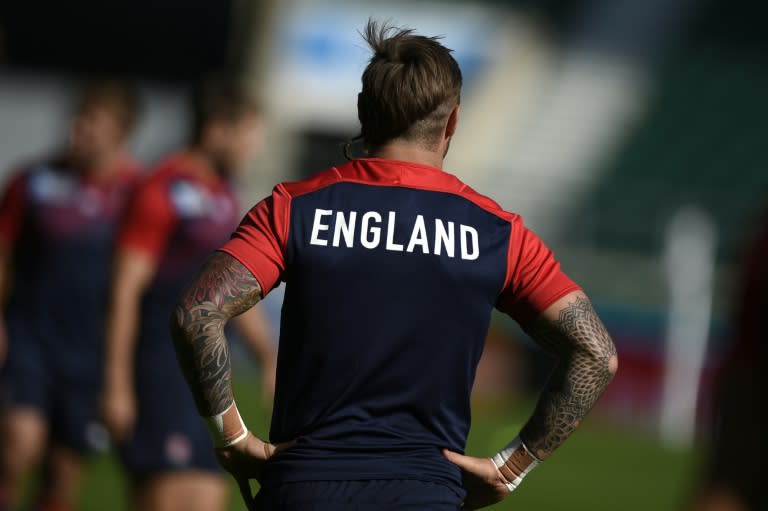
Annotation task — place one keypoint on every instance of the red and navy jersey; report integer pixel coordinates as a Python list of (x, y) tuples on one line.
[(392, 270), (181, 214), (59, 226)]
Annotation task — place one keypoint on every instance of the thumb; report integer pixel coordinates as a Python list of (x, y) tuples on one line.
[(283, 446), (458, 459)]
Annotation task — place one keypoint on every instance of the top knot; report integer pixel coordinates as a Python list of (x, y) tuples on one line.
[(409, 85), (388, 41)]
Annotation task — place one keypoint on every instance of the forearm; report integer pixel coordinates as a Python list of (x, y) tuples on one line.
[(120, 342), (586, 364), (222, 290), (203, 354), (132, 275), (571, 392)]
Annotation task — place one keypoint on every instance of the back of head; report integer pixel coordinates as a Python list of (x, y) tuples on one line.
[(410, 86), (220, 99)]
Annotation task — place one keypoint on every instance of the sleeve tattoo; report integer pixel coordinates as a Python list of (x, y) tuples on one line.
[(223, 289), (586, 363)]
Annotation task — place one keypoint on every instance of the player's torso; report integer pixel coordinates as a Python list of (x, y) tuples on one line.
[(390, 287), (66, 240), (62, 260)]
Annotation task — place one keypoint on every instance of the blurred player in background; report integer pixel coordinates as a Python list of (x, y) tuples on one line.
[(392, 269), (733, 478), (185, 210), (57, 223)]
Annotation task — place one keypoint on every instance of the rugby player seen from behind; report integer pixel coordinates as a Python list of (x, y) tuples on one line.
[(392, 268)]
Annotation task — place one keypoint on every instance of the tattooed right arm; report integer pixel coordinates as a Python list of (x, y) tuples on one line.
[(586, 357), (223, 289)]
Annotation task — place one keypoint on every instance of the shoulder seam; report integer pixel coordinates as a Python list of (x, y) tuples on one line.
[(509, 272), (497, 211), (286, 218)]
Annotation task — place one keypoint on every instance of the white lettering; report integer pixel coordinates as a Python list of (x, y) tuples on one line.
[(371, 234), (419, 236), (391, 245), (444, 237), (344, 228), (318, 226), (365, 231), (467, 230)]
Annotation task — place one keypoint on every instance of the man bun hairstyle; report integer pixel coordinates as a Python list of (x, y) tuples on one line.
[(410, 86)]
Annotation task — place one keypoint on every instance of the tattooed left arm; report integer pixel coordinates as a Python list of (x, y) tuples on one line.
[(586, 362), (570, 331), (223, 289)]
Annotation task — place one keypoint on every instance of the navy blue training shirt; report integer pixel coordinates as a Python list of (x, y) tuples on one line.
[(392, 270)]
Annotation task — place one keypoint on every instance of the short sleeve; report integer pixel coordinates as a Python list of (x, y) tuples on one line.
[(535, 280), (148, 221), (12, 209), (259, 241)]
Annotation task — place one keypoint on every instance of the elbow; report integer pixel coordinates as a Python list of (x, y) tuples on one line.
[(608, 360), (603, 360), (613, 363)]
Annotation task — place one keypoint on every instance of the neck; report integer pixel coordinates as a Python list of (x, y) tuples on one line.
[(407, 151), (98, 164), (205, 162)]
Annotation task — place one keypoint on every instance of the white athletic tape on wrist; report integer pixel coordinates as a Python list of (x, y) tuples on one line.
[(215, 426), (500, 458)]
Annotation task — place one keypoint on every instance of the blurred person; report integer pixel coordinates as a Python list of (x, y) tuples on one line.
[(732, 478), (57, 223), (392, 268), (185, 210)]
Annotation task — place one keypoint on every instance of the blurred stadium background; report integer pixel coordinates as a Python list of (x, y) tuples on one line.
[(630, 134)]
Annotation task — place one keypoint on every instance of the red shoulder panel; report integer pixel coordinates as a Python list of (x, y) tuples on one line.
[(149, 218)]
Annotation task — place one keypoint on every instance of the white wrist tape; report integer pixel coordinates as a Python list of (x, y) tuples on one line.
[(226, 433), (521, 462)]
